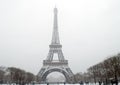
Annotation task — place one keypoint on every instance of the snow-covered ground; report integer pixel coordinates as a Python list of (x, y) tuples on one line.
[(56, 84)]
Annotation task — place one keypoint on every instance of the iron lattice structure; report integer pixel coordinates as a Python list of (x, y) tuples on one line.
[(51, 65)]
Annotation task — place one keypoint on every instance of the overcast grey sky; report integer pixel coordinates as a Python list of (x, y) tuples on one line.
[(89, 32)]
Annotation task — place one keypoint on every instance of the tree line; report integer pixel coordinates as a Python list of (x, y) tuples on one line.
[(107, 71), (15, 75)]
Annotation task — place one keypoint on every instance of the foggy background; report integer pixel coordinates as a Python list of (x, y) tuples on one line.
[(89, 32)]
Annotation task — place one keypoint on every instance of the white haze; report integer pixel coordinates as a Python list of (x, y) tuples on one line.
[(89, 32)]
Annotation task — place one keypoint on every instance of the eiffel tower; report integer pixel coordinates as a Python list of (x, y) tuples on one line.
[(51, 65)]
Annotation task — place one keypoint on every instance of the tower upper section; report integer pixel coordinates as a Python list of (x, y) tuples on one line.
[(55, 10), (55, 34)]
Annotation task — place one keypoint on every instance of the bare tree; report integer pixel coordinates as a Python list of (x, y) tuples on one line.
[(30, 77), (106, 71), (1, 76)]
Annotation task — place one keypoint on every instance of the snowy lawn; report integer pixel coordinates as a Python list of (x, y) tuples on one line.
[(56, 84)]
